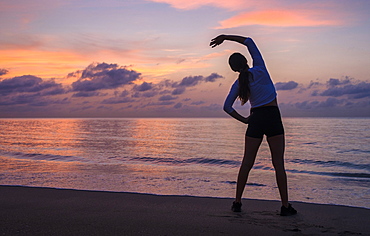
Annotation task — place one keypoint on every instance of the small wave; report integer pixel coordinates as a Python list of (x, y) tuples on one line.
[(332, 163), (355, 175), (249, 184), (354, 151), (255, 184), (337, 174), (219, 162), (208, 161), (39, 156)]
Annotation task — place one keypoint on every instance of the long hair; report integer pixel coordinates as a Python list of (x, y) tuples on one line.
[(238, 63)]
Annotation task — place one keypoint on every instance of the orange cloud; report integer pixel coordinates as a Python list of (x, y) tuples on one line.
[(270, 12), (282, 18)]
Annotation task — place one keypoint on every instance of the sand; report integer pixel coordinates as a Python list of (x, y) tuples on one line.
[(46, 211)]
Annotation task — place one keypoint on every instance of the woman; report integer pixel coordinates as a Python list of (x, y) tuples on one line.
[(255, 85)]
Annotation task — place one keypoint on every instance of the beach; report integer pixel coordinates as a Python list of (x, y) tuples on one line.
[(48, 211), (178, 177)]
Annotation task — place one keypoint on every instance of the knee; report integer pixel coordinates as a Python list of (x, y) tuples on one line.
[(246, 166), (278, 165)]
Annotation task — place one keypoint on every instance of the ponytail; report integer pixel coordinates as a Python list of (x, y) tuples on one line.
[(238, 63), (244, 89)]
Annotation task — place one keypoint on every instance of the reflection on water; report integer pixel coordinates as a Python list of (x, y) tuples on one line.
[(56, 137), (327, 160)]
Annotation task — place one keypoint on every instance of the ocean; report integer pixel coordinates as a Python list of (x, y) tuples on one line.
[(327, 159)]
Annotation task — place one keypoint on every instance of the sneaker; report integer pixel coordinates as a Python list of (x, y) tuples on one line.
[(287, 211), (237, 207)]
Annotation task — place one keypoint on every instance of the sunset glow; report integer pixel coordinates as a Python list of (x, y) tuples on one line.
[(40, 63), (152, 57)]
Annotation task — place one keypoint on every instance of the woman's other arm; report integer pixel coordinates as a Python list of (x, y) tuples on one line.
[(229, 101), (239, 117)]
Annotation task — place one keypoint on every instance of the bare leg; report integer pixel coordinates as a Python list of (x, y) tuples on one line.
[(250, 152), (277, 148)]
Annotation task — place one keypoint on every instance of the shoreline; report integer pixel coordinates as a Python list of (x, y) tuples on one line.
[(52, 211), (174, 195)]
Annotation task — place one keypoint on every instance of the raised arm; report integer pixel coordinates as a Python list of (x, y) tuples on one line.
[(221, 38), (246, 41)]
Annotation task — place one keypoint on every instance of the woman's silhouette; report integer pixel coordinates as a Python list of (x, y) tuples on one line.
[(255, 85)]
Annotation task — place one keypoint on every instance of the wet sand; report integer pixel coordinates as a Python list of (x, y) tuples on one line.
[(46, 211)]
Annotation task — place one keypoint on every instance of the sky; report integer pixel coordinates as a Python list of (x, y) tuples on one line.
[(151, 58)]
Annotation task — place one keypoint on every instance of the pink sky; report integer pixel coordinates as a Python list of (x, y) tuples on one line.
[(151, 58)]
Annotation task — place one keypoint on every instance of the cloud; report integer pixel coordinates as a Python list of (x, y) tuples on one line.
[(143, 87), (31, 99), (318, 109), (191, 81), (161, 103), (104, 76), (197, 103), (345, 87), (356, 91), (145, 90), (117, 100), (213, 77), (147, 94), (328, 103), (30, 84), (3, 72), (29, 89), (124, 93), (178, 91), (26, 83), (167, 98), (86, 94), (47, 102), (178, 105), (122, 97), (17, 99), (314, 85), (30, 94), (278, 17), (269, 12), (333, 97), (335, 82), (32, 91), (286, 85)]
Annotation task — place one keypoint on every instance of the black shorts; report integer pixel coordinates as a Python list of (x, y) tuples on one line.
[(265, 121)]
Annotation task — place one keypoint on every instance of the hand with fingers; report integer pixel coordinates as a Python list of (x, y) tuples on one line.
[(217, 41)]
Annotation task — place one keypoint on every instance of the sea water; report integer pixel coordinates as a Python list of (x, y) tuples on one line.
[(327, 159)]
